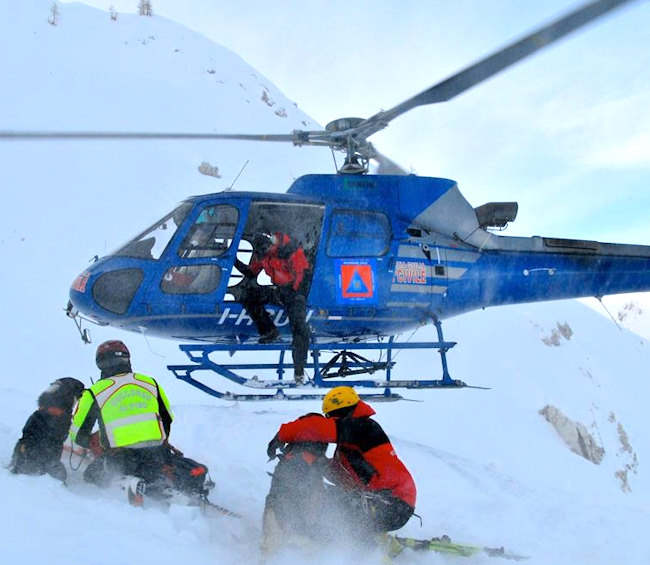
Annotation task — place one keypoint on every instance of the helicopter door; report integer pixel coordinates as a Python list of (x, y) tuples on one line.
[(301, 222), (202, 257), (359, 242)]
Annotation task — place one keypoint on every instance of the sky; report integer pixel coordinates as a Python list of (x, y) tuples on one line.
[(489, 469), (567, 129)]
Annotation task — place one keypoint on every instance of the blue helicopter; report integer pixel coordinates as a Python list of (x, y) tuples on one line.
[(388, 253)]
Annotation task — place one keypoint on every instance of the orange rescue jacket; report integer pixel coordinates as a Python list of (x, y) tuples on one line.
[(364, 457)]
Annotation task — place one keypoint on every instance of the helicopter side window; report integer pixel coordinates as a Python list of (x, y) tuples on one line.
[(153, 241), (358, 234), (212, 233), (194, 279)]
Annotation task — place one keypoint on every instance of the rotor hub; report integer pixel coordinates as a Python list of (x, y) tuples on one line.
[(343, 124)]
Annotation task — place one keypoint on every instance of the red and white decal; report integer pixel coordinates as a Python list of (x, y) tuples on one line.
[(410, 272)]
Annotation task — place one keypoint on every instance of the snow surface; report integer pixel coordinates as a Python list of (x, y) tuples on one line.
[(489, 469)]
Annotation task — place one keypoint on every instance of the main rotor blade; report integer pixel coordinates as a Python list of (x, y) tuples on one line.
[(493, 64), (8, 134), (386, 166)]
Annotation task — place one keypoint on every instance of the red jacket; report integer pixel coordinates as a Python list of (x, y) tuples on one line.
[(284, 262), (364, 457)]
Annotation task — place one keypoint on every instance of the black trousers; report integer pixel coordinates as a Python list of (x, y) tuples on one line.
[(255, 298), (372, 511), (146, 463)]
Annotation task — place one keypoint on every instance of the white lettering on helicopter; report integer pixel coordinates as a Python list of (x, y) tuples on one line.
[(410, 272), (238, 317), (279, 317)]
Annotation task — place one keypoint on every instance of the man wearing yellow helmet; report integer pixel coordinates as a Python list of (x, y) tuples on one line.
[(375, 486)]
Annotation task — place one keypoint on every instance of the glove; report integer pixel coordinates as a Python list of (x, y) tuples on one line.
[(273, 446), (94, 446)]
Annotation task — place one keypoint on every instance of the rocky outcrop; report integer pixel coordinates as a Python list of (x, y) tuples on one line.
[(559, 332), (574, 434), (631, 466), (629, 311)]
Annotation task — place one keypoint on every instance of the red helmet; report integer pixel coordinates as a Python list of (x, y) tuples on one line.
[(111, 355)]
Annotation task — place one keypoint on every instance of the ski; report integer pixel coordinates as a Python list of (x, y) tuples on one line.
[(139, 495), (210, 508), (443, 544)]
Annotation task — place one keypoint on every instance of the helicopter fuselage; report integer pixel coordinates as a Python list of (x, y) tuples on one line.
[(387, 254)]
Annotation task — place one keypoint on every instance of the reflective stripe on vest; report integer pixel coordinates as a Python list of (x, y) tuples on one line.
[(129, 411), (80, 412)]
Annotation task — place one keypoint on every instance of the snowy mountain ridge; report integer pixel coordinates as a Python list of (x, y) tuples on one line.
[(549, 462)]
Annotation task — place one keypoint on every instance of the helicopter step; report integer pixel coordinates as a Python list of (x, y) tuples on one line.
[(345, 363)]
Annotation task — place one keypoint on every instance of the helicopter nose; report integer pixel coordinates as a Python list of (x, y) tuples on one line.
[(106, 291)]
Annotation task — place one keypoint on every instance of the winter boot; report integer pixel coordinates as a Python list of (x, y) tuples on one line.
[(135, 488), (270, 336)]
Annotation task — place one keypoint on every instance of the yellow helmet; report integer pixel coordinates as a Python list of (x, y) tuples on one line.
[(339, 397)]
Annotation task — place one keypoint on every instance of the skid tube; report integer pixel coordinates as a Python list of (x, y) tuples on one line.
[(328, 375)]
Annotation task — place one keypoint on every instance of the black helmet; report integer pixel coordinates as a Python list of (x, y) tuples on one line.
[(262, 242), (113, 358)]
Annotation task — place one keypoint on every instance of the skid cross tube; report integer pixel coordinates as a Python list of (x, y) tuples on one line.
[(329, 375), (346, 363)]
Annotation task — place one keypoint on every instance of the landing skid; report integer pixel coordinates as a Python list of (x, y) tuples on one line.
[(345, 363)]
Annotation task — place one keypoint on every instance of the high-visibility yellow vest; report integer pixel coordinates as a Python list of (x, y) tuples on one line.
[(129, 411)]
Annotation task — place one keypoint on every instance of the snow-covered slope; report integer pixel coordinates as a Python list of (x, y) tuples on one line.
[(490, 468), (65, 202)]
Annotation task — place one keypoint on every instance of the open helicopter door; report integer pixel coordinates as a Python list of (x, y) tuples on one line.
[(301, 222)]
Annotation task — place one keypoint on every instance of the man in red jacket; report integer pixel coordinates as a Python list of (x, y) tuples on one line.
[(286, 264), (375, 487)]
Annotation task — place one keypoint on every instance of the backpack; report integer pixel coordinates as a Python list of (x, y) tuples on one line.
[(186, 475), (293, 512)]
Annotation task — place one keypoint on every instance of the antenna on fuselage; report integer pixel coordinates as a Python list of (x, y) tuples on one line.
[(600, 299), (238, 175)]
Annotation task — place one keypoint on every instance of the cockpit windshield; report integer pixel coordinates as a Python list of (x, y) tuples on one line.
[(152, 242)]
